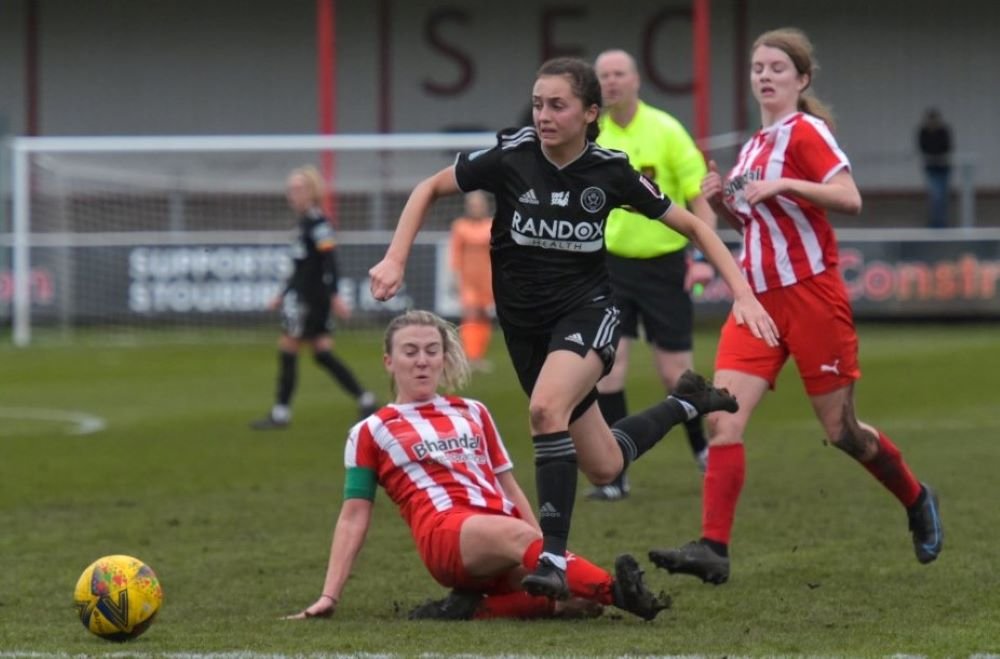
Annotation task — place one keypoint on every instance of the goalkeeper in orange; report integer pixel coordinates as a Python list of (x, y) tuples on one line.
[(470, 264)]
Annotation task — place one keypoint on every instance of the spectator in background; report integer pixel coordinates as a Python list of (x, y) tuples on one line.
[(470, 263), (441, 460), (648, 261), (306, 302), (934, 140)]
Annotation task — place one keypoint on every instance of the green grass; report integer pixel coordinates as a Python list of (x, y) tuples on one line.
[(237, 524)]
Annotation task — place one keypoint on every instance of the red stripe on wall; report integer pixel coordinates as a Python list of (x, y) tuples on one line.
[(326, 72)]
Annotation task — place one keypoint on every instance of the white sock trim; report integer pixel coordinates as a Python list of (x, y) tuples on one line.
[(689, 409), (558, 561)]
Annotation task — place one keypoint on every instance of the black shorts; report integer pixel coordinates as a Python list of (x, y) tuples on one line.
[(302, 319), (593, 327), (651, 291)]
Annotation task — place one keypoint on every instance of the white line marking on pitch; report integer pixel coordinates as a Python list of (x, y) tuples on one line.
[(83, 424)]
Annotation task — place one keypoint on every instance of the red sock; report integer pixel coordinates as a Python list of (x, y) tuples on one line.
[(515, 605), (585, 579), (721, 490), (890, 470), (531, 554)]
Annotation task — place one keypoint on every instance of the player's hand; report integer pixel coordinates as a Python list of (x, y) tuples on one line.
[(275, 303), (747, 311), (698, 272), (757, 191), (340, 308), (711, 185), (321, 608), (386, 278)]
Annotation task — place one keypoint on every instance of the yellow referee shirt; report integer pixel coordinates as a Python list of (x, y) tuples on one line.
[(659, 147)]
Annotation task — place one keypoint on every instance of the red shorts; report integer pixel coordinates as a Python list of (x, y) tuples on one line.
[(440, 549), (817, 330)]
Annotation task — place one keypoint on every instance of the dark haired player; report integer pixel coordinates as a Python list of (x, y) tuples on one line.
[(554, 189)]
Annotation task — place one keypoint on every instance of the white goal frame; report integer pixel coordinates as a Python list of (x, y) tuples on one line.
[(23, 148)]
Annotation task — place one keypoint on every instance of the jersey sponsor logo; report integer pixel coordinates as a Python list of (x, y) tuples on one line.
[(529, 197), (575, 337), (737, 183), (592, 199), (563, 235), (425, 447), (560, 199)]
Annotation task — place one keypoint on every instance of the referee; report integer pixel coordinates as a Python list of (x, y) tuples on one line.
[(648, 261)]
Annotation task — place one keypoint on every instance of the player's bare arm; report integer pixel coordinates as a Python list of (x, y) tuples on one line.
[(386, 276), (839, 194), (348, 538), (700, 272), (700, 207)]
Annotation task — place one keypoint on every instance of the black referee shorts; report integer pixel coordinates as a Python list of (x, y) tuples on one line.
[(593, 327), (651, 292), (306, 319)]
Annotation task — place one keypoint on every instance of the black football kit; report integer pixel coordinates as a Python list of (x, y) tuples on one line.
[(547, 241), (306, 305)]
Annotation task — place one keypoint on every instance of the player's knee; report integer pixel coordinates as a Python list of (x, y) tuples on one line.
[(721, 429), (521, 537), (545, 416), (724, 428)]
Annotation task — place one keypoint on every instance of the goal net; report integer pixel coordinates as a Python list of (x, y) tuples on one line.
[(191, 235)]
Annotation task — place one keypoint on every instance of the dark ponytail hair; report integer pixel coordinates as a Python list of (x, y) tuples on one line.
[(583, 81)]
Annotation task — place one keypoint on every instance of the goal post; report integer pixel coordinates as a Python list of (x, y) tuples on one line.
[(193, 232)]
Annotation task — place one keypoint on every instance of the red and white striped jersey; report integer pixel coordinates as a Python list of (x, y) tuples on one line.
[(434, 457), (785, 239)]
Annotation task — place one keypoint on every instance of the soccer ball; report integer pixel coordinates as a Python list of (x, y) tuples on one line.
[(117, 597)]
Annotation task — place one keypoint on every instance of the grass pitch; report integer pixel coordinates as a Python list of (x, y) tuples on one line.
[(237, 523)]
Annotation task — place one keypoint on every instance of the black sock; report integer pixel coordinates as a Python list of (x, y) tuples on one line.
[(287, 374), (640, 432), (555, 479), (696, 435), (339, 371), (613, 406)]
